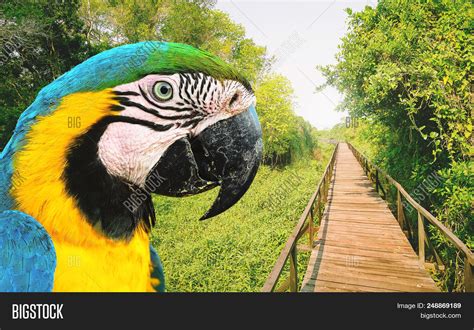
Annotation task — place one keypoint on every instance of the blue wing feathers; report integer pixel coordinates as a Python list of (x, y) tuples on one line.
[(27, 255), (157, 270)]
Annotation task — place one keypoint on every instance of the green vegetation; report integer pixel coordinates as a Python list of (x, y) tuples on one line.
[(405, 68), (236, 250), (286, 136), (39, 41)]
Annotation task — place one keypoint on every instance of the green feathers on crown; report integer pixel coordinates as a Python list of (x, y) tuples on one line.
[(180, 58)]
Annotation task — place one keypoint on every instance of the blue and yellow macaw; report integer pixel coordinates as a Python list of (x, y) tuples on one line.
[(85, 157)]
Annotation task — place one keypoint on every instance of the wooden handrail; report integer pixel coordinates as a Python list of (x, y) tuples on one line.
[(422, 214), (290, 249)]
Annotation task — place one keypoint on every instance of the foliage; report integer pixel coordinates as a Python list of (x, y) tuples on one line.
[(38, 42), (408, 64), (128, 21), (405, 66), (455, 195), (236, 250), (286, 136)]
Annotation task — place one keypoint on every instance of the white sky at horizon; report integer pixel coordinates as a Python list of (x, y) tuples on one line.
[(301, 35)]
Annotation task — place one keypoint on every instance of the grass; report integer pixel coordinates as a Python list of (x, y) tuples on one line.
[(236, 250)]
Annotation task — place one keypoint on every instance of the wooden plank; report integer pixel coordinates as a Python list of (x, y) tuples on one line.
[(360, 200), (357, 231), (331, 286), (360, 221), (354, 261), (360, 270), (369, 245), (363, 240), (375, 255), (362, 211), (377, 280), (383, 226), (377, 223), (347, 216)]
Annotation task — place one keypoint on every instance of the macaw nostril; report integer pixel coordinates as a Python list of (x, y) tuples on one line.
[(234, 99)]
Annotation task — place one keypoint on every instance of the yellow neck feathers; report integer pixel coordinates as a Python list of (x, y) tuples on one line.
[(86, 259)]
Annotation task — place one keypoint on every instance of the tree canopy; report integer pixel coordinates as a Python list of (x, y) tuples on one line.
[(38, 42)]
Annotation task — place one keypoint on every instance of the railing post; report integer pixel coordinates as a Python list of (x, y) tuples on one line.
[(468, 276), (293, 270), (311, 227), (323, 192), (400, 212), (421, 239), (327, 183), (320, 212), (377, 180), (326, 186)]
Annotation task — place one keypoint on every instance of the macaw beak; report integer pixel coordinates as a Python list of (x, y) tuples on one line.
[(225, 154)]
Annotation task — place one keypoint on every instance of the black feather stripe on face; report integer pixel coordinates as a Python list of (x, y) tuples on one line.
[(127, 103), (101, 197)]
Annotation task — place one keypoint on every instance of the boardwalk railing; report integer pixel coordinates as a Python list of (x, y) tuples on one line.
[(304, 225), (378, 176)]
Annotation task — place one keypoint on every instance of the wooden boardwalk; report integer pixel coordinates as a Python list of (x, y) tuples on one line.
[(360, 246)]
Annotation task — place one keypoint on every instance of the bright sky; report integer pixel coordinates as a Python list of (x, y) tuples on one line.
[(301, 35)]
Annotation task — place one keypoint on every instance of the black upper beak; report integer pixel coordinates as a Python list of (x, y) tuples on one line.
[(226, 153)]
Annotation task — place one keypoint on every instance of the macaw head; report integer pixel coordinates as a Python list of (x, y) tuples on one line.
[(169, 119)]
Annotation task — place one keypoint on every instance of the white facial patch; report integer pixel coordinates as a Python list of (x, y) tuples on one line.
[(130, 148), (130, 151)]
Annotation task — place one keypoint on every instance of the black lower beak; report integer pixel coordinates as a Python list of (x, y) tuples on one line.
[(226, 153)]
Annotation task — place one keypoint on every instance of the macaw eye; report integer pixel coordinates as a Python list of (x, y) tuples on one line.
[(163, 91)]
